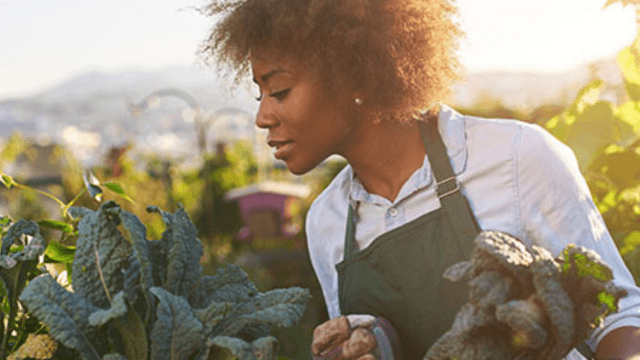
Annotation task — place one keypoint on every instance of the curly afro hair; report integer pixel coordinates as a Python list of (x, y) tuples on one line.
[(400, 55)]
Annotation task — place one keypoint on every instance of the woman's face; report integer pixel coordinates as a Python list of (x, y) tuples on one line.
[(306, 121)]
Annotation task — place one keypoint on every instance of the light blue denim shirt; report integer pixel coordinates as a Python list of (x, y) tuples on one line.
[(517, 178)]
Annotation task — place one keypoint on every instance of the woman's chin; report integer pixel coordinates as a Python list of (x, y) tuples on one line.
[(299, 169)]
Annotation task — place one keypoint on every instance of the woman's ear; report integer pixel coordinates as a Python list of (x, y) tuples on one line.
[(357, 98)]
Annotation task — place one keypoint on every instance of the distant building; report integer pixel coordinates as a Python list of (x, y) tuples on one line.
[(265, 208)]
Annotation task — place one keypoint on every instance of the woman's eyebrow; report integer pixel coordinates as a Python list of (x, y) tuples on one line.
[(269, 74)]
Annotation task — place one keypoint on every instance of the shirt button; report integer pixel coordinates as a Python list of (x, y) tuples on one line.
[(393, 212)]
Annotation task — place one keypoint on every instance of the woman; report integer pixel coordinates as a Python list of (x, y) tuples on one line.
[(364, 79)]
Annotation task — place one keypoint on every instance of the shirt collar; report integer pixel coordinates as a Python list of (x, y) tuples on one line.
[(451, 126)]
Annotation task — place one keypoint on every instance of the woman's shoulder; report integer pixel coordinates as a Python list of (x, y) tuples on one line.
[(528, 142)]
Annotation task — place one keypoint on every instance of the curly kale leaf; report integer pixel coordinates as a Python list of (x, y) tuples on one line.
[(233, 293), (183, 268), (177, 333), (128, 324), (229, 284), (103, 316), (212, 315), (238, 347), (65, 313), (16, 234), (158, 251), (280, 308), (78, 212), (264, 348), (7, 262), (114, 357), (140, 267), (17, 265), (100, 255), (132, 279)]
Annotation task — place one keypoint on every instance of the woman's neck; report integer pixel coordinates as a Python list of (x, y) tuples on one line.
[(385, 155)]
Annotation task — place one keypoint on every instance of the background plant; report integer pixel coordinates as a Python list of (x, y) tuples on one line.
[(605, 137), (606, 140), (138, 298), (26, 254), (122, 279)]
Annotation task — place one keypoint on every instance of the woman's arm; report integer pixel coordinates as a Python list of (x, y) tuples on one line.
[(610, 348)]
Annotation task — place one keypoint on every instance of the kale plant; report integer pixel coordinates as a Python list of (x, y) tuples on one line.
[(136, 299), (22, 244)]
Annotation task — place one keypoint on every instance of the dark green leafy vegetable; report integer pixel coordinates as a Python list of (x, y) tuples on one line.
[(177, 334), (136, 234), (100, 254), (524, 303), (236, 286), (21, 246), (185, 251), (120, 279), (113, 357), (16, 235), (239, 348), (66, 314), (262, 348), (133, 334), (118, 309)]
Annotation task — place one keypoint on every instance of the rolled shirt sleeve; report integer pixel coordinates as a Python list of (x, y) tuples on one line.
[(556, 209)]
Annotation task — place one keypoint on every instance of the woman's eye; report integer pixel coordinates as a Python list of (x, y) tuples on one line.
[(280, 95)]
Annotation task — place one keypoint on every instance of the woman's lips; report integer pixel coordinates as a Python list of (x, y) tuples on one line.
[(280, 148)]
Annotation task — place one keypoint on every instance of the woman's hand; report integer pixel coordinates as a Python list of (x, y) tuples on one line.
[(335, 340)]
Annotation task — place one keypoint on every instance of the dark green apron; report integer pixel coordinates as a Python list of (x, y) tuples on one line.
[(399, 276)]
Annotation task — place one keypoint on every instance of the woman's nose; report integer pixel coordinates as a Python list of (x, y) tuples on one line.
[(265, 118)]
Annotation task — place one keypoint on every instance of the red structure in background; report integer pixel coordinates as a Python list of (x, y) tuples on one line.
[(113, 158), (265, 209)]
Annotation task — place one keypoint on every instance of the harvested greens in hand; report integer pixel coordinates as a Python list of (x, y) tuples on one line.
[(525, 304)]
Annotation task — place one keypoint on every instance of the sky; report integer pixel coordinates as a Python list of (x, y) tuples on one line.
[(43, 42)]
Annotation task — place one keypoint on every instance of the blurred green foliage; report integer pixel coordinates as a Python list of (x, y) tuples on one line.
[(605, 138), (235, 167)]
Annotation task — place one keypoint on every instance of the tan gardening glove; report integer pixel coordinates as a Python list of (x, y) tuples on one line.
[(336, 340)]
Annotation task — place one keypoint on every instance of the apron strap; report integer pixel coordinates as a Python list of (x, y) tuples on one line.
[(349, 238), (454, 204)]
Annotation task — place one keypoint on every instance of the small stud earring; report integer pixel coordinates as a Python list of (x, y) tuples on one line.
[(358, 101)]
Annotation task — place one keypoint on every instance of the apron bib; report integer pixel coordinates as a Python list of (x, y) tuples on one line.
[(399, 276)]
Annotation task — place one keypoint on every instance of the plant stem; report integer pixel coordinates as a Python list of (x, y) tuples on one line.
[(66, 207), (44, 193)]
